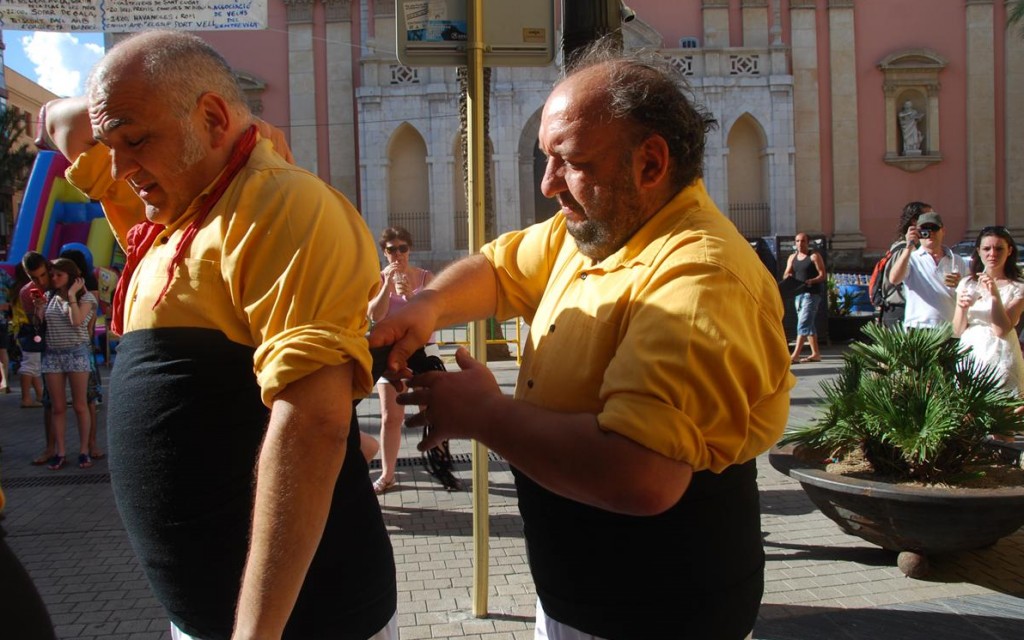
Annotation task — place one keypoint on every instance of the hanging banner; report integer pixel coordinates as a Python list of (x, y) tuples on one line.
[(123, 16)]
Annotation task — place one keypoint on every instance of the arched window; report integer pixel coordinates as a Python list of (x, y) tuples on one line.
[(408, 185), (749, 208)]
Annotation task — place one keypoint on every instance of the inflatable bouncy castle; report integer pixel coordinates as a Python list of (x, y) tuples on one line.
[(54, 214), (55, 217)]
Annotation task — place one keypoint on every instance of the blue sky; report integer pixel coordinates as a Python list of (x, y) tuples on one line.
[(59, 62)]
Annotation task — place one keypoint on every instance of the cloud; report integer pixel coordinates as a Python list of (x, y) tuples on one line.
[(62, 61)]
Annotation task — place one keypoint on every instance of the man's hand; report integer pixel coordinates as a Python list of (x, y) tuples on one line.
[(406, 330), (453, 403)]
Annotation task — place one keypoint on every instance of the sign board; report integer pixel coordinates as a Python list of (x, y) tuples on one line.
[(118, 16), (433, 33)]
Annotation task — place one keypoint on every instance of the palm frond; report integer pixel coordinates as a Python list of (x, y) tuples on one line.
[(913, 401)]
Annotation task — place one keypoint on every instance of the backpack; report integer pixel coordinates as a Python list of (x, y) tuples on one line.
[(883, 294)]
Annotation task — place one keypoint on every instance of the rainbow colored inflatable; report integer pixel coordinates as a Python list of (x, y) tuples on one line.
[(55, 214)]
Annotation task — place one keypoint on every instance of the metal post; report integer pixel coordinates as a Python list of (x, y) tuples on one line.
[(477, 330)]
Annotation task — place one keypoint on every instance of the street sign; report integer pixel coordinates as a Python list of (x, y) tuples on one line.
[(434, 33)]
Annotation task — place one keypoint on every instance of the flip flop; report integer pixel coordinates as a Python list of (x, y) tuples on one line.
[(56, 463), (99, 455), (810, 359), (84, 461)]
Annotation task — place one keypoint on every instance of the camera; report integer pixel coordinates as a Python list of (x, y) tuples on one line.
[(924, 233)]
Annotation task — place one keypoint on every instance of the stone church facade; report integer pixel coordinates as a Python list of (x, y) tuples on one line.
[(807, 94)]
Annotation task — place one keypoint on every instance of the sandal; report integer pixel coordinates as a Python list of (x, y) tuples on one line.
[(84, 461), (56, 463), (97, 455), (380, 485), (810, 359)]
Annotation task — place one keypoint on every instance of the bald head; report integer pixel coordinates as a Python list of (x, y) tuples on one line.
[(179, 66), (642, 91)]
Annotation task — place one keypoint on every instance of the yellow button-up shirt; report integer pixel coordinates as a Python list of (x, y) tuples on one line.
[(675, 341)]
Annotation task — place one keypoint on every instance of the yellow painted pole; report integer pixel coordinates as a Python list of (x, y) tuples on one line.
[(477, 333)]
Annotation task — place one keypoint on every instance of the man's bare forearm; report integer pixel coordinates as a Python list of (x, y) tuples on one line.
[(300, 460), (67, 124)]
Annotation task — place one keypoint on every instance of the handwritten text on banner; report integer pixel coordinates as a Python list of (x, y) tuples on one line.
[(118, 16)]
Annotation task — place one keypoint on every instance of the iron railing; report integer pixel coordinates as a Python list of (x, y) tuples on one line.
[(753, 219), (418, 224)]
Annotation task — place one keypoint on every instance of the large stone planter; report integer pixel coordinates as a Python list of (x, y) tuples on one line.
[(843, 329), (913, 521)]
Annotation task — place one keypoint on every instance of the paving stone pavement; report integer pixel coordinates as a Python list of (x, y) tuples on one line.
[(820, 582)]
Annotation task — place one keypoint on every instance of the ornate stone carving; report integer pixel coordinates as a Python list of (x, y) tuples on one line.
[(337, 10), (911, 89), (298, 11)]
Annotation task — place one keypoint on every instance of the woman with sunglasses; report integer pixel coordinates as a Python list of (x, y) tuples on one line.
[(989, 305), (399, 282)]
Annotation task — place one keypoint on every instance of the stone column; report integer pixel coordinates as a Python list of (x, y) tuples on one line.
[(755, 24), (1014, 131), (716, 24), (341, 117), (302, 83), (845, 148), (981, 116), (806, 121), (781, 154)]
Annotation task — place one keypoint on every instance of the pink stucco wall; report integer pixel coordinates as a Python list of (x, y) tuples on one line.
[(882, 29), (673, 20), (264, 54)]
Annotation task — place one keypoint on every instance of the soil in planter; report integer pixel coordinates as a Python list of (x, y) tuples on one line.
[(981, 475)]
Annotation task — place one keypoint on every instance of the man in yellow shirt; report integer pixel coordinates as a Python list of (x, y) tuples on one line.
[(657, 368), (234, 459)]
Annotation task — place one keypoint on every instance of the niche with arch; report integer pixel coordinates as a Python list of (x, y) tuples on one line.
[(911, 90)]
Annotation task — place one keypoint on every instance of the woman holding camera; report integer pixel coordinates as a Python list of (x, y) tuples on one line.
[(69, 308), (989, 304)]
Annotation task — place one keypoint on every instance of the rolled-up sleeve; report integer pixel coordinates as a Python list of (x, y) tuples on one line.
[(691, 380), (301, 280), (90, 174)]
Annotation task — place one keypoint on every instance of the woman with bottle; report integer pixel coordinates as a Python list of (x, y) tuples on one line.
[(989, 305)]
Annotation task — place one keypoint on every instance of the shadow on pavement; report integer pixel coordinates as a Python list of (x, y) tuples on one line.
[(443, 522), (786, 502), (969, 619)]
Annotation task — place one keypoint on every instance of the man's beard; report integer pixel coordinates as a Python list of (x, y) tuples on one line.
[(621, 216), (192, 148)]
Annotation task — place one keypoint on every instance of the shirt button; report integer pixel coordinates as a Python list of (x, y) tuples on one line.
[(583, 276), (552, 329), (529, 383), (163, 240)]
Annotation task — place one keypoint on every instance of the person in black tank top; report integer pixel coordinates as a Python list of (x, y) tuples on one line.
[(807, 267)]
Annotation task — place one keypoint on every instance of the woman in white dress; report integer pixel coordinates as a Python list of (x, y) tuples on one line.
[(989, 305)]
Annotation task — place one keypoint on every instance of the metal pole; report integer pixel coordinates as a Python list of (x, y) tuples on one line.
[(477, 332)]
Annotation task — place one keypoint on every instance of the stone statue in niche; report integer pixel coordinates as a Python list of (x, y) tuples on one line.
[(912, 138)]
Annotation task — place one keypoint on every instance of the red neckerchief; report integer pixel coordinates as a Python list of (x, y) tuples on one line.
[(142, 236)]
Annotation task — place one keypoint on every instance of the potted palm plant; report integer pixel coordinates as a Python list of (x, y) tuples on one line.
[(913, 413)]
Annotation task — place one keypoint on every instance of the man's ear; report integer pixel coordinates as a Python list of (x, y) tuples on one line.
[(654, 160), (216, 118)]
